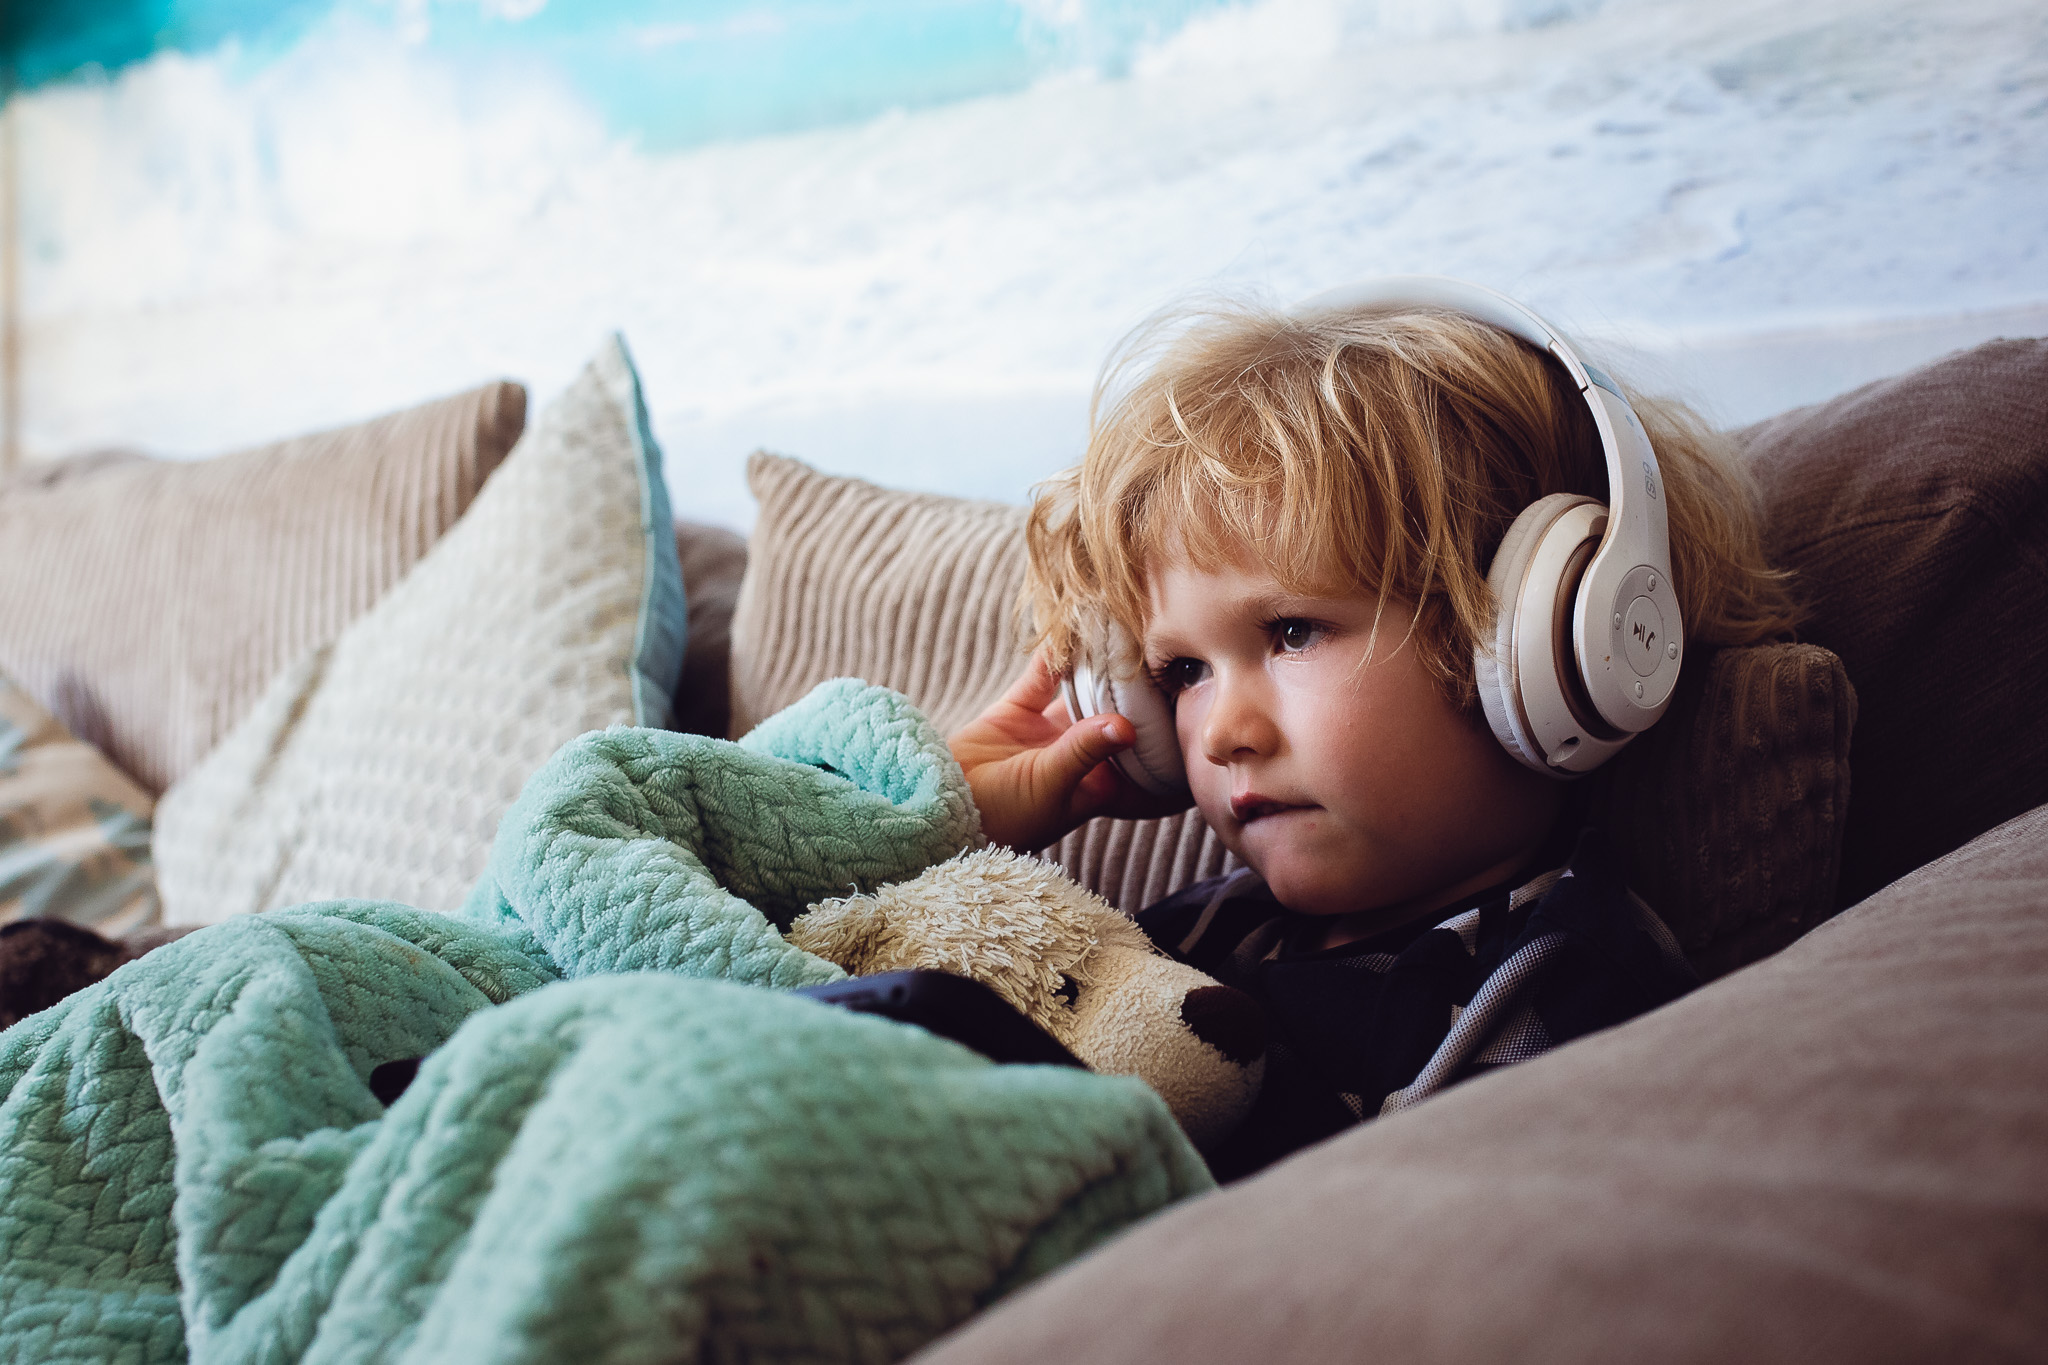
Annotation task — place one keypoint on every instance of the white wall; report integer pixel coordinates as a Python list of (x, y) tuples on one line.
[(1765, 202)]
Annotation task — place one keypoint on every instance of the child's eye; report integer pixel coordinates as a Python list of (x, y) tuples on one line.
[(1177, 675), (1294, 635)]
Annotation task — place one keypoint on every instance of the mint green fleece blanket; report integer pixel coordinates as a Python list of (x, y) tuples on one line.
[(619, 1146)]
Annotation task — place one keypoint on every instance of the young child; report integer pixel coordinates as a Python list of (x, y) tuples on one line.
[(1294, 515)]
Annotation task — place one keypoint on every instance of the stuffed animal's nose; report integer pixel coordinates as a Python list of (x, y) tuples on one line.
[(1228, 1020)]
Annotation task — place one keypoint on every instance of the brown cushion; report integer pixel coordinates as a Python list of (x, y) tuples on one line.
[(714, 560), (74, 829), (148, 603), (1730, 810), (1915, 513), (1839, 1154), (42, 961)]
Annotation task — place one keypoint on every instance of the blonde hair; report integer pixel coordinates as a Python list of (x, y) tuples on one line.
[(1379, 453)]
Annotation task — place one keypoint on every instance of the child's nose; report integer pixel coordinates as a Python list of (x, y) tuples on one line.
[(1237, 724)]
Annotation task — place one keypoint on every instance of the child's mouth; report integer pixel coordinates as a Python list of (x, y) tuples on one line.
[(1252, 806)]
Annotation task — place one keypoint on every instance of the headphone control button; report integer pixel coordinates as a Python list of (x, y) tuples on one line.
[(1643, 637), (1651, 586), (1639, 691), (1671, 650)]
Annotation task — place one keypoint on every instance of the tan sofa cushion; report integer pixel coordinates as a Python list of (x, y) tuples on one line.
[(1914, 512), (1729, 811), (380, 765), (74, 829), (147, 603), (1839, 1154)]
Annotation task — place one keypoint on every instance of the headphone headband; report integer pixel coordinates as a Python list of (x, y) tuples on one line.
[(1612, 415), (1495, 309), (1588, 638), (1628, 688)]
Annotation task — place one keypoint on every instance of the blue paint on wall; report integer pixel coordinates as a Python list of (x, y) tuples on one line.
[(43, 40), (666, 73), (674, 75)]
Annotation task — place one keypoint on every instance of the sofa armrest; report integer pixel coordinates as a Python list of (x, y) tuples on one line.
[(1838, 1154)]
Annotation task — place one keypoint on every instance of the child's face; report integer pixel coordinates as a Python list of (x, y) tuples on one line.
[(1349, 782)]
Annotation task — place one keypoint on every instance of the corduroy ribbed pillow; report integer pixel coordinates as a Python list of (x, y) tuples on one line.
[(147, 603), (1730, 810), (380, 765), (913, 591), (917, 592)]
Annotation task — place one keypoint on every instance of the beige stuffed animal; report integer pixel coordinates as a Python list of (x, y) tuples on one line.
[(1072, 964)]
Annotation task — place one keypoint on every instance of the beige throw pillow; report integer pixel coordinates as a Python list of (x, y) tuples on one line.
[(147, 603), (380, 765), (74, 830), (1729, 813)]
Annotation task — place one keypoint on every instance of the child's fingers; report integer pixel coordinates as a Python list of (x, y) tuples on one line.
[(1036, 688), (1033, 796), (1082, 749)]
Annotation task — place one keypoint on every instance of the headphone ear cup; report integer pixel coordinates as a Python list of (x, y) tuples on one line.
[(1493, 662), (1506, 695), (1153, 763)]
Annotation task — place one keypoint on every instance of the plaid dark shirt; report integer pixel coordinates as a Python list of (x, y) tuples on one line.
[(1373, 1027)]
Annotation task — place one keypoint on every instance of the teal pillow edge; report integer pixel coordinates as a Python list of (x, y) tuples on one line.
[(663, 630)]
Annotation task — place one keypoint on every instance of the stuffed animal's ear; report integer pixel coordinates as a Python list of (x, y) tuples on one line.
[(1011, 922)]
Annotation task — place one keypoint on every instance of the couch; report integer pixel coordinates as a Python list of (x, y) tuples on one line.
[(1837, 1149)]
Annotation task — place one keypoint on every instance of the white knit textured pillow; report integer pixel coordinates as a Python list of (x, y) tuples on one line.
[(380, 765), (147, 603)]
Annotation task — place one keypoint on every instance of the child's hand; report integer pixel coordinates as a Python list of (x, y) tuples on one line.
[(1036, 776)]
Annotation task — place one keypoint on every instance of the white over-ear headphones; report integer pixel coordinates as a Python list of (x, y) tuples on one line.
[(1587, 641)]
